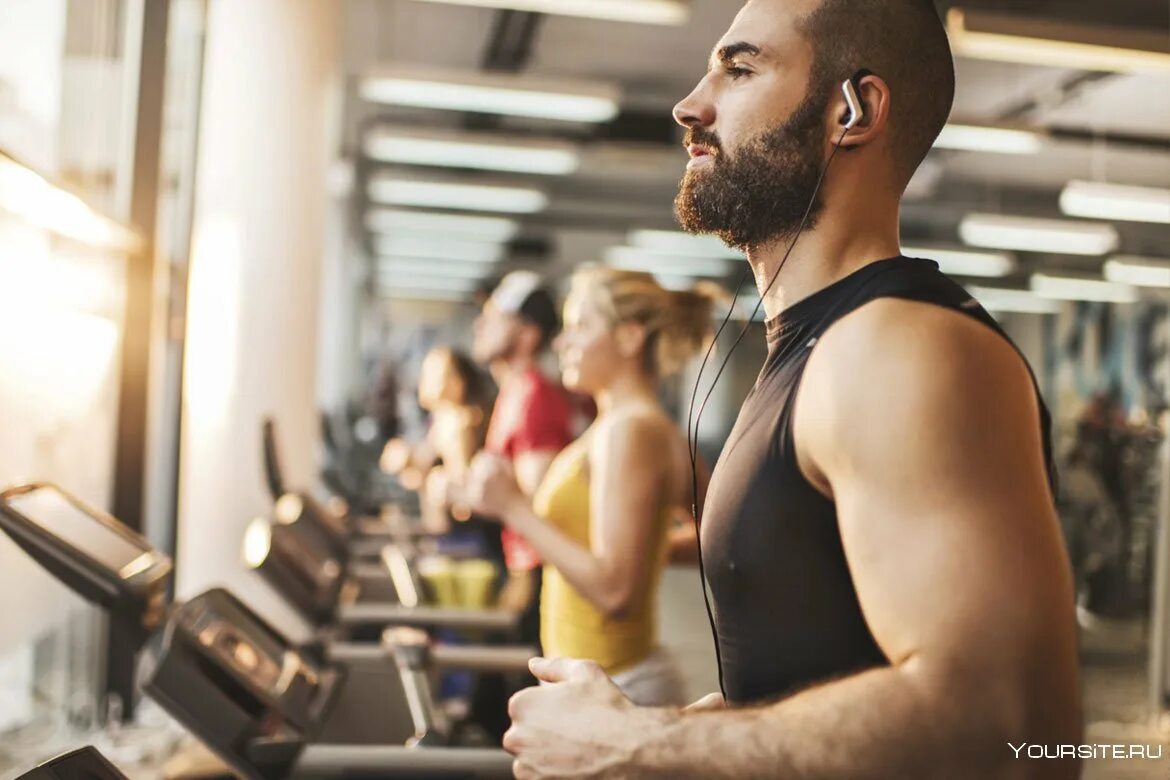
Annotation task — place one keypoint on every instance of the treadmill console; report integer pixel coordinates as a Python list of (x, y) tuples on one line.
[(302, 511), (299, 570), (98, 557), (83, 764), (237, 684)]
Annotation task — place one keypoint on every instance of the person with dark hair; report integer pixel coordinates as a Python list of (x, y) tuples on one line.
[(890, 595), (451, 391), (531, 422), (532, 419)]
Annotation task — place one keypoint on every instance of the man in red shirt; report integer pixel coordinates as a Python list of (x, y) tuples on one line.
[(532, 420)]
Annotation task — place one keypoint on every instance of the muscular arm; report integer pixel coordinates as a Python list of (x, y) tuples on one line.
[(625, 488), (935, 464)]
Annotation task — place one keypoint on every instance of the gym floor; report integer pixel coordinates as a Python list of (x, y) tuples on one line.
[(1114, 675)]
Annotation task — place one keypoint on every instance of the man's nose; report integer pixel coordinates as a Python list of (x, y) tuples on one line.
[(696, 109)]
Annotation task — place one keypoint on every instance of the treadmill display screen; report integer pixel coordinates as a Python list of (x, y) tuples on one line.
[(60, 517)]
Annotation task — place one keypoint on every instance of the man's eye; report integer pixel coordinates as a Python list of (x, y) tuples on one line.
[(737, 72)]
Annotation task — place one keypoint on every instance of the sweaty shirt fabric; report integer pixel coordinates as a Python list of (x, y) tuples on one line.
[(786, 611)]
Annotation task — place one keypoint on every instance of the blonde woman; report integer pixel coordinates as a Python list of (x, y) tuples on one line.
[(601, 519)]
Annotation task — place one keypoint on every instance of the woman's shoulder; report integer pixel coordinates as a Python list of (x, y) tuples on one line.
[(644, 424)]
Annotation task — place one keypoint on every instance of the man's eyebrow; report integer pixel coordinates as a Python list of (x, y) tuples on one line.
[(725, 54)]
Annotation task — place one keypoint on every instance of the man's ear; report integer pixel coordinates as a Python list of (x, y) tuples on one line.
[(874, 94)]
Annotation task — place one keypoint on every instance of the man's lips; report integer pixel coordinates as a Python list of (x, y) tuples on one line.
[(701, 156), (699, 150)]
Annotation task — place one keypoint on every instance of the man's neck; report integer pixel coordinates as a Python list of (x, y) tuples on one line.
[(840, 244)]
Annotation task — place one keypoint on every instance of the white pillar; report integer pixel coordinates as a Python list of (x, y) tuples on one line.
[(339, 369), (259, 235)]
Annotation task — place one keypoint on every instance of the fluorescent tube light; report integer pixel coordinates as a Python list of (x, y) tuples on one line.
[(405, 267), (991, 36), (960, 262), (1138, 271), (1026, 234), (435, 281), (1115, 201), (1068, 288), (673, 242), (642, 11), (494, 229), (395, 190), (421, 294), (438, 248), (998, 140), (33, 198), (410, 146), (637, 259), (998, 299), (493, 93)]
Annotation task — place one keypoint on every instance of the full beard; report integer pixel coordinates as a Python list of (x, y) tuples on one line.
[(762, 193)]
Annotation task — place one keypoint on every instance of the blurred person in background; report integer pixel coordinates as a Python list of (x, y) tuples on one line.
[(532, 420), (601, 519)]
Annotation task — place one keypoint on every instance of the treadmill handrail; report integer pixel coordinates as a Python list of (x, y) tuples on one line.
[(483, 658), (391, 762), (360, 614), (471, 658)]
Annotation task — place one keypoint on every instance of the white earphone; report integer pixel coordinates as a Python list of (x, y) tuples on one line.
[(856, 111)]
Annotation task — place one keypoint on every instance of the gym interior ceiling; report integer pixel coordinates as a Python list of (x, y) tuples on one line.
[(1092, 125)]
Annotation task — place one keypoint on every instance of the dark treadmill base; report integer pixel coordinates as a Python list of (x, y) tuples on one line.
[(370, 709)]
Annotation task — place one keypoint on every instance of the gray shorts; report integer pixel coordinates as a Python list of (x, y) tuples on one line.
[(654, 682)]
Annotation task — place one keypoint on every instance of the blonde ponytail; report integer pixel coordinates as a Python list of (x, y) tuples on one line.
[(678, 323), (688, 329)]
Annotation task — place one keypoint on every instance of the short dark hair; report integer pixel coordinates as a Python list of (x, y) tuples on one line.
[(905, 43), (540, 309), (468, 373)]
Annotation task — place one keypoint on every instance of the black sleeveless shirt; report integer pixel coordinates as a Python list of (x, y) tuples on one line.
[(786, 611)]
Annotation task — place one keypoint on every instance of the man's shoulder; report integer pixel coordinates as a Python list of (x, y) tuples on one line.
[(894, 351), (913, 332)]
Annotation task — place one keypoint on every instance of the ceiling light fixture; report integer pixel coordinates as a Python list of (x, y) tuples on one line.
[(1072, 288), (992, 36), (637, 259), (1027, 234), (959, 262), (407, 267), (1138, 271), (422, 294), (438, 248), (1098, 200), (997, 140), (395, 190), (494, 229), (493, 93), (676, 243), (410, 146), (436, 281), (999, 299), (672, 12)]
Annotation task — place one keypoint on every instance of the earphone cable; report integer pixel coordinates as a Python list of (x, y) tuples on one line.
[(693, 444)]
